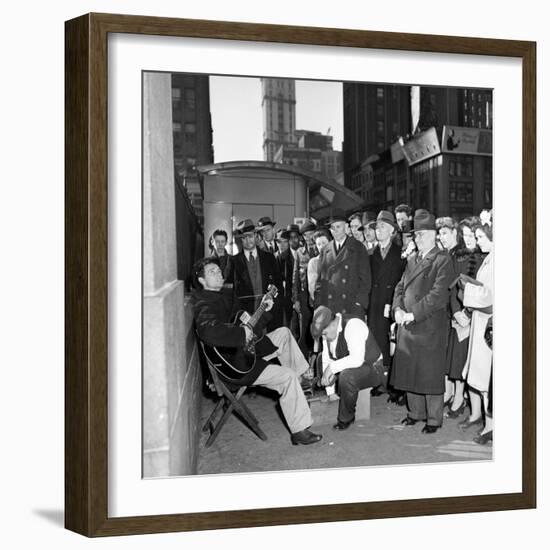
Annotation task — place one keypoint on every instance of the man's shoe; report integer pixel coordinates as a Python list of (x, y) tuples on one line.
[(305, 437), (343, 425), (408, 421), (430, 429)]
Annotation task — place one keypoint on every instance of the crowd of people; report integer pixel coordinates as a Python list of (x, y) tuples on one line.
[(392, 301)]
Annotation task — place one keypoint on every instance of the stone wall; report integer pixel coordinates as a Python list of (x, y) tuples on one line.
[(171, 373)]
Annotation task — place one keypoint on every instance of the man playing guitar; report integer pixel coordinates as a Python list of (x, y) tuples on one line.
[(214, 310)]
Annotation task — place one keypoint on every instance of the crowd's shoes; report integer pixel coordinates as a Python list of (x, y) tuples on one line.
[(467, 423), (458, 412), (483, 439), (340, 426), (305, 437), (408, 421), (427, 429)]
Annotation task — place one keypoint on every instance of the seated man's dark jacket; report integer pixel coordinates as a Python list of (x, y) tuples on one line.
[(214, 314)]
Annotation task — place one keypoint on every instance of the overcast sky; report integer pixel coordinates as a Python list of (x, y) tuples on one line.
[(236, 107)]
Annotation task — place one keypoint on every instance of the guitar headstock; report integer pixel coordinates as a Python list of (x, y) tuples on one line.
[(272, 291)]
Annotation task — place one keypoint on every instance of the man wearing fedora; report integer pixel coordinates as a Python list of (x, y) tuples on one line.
[(420, 311), (350, 352), (253, 271), (344, 280), (266, 226), (387, 268)]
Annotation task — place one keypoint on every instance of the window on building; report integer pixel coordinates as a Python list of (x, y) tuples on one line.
[(380, 110), (380, 126), (189, 98), (190, 128), (176, 127), (176, 93), (380, 93)]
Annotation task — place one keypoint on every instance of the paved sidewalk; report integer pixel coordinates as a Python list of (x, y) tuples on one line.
[(382, 440)]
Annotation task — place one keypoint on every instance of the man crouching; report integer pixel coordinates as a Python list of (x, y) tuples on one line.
[(351, 352), (214, 310)]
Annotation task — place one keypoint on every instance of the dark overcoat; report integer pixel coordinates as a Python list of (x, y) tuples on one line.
[(419, 362), (344, 280), (244, 292), (386, 273)]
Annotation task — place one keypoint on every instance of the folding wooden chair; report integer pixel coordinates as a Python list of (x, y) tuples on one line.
[(230, 401)]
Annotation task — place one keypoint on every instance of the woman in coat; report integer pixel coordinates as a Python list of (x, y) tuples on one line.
[(478, 296), (460, 241)]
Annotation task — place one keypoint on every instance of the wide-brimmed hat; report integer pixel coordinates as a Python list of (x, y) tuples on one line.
[(337, 215), (368, 218), (308, 225), (245, 226), (263, 222), (293, 228), (423, 221), (322, 317), (387, 217), (282, 235)]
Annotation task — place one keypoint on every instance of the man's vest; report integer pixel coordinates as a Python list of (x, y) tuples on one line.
[(372, 351)]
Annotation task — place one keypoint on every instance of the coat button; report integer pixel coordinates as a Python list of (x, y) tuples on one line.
[(330, 296), (343, 280), (346, 266), (344, 296)]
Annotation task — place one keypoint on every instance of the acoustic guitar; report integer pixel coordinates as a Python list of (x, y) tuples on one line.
[(236, 363)]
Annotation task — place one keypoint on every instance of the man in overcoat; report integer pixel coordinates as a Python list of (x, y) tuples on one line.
[(253, 271), (420, 310), (344, 280), (387, 268)]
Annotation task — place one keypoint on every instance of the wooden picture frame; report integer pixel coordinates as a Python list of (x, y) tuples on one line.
[(86, 219)]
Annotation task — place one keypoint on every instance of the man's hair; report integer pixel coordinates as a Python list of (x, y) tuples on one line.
[(322, 233), (446, 221), (403, 208), (198, 269), (219, 233)]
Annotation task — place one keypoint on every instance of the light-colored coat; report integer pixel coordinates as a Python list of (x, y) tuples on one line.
[(477, 370)]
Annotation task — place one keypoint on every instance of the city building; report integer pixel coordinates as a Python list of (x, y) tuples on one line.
[(192, 133), (439, 158), (313, 151), (279, 114)]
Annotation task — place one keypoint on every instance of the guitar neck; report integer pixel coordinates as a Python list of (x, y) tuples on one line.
[(257, 314)]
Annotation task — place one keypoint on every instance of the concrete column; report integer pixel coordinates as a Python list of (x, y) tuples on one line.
[(171, 379)]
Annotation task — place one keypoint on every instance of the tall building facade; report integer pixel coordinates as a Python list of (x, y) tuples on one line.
[(438, 157), (192, 136), (192, 133), (279, 114), (375, 115)]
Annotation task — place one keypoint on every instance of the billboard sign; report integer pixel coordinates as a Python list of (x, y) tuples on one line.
[(467, 141), (421, 147)]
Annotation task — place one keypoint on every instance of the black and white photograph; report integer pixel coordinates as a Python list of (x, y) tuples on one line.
[(320, 253)]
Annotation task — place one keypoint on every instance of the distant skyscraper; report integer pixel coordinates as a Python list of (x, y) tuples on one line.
[(279, 114)]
